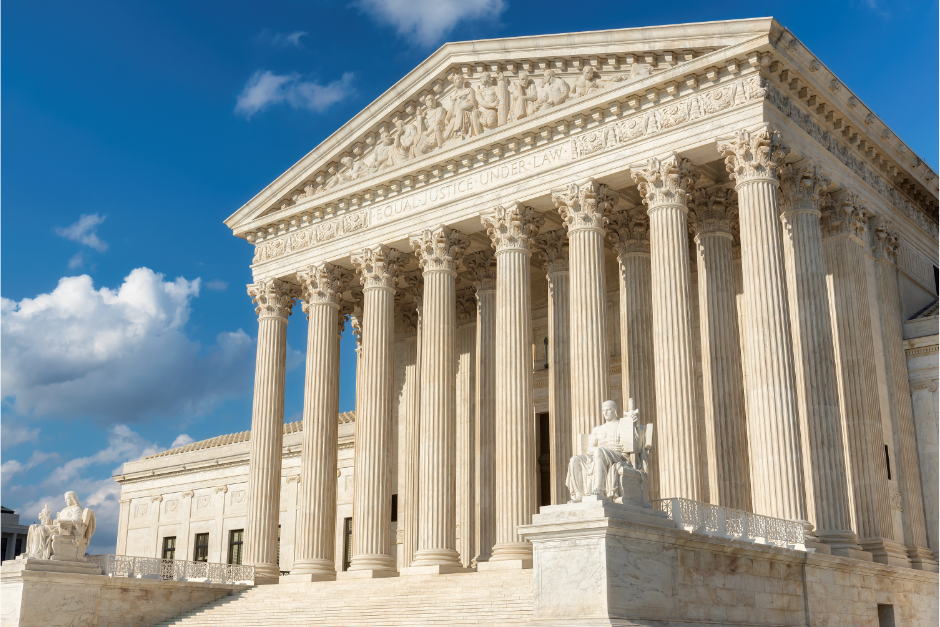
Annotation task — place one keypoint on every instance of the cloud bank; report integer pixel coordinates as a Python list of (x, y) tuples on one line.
[(265, 88)]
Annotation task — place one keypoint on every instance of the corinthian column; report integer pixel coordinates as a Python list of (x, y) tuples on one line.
[(844, 225), (665, 186), (827, 496), (629, 231), (322, 287), (885, 249), (729, 481), (553, 246), (437, 250), (511, 230), (584, 209), (773, 423), (273, 300), (482, 266), (372, 498), (410, 289)]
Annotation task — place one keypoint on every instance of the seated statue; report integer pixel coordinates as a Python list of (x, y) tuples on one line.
[(64, 538), (616, 445)]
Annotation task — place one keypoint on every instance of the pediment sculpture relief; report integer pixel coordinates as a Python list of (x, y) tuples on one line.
[(470, 109), (64, 538)]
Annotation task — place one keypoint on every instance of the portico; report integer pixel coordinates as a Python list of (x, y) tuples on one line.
[(699, 213)]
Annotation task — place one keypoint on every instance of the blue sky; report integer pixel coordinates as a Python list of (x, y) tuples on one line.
[(131, 130)]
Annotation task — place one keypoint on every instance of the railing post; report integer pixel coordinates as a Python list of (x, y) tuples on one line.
[(722, 517), (676, 513)]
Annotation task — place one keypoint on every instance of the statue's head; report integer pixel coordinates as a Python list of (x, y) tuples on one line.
[(609, 409), (71, 499)]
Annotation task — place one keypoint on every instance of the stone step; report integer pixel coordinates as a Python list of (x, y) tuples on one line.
[(503, 598)]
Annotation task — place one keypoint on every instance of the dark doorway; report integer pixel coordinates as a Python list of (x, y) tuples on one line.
[(543, 446)]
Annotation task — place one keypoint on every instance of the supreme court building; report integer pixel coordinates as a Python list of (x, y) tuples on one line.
[(702, 218)]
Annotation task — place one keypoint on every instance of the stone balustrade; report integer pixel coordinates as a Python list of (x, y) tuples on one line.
[(724, 522), (174, 570)]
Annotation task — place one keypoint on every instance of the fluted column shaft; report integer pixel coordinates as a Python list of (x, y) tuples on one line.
[(729, 481), (553, 247), (773, 420), (437, 515), (511, 229), (665, 185), (274, 300), (909, 479), (630, 231), (372, 498), (845, 261), (466, 427), (484, 272), (410, 456), (827, 495), (322, 286)]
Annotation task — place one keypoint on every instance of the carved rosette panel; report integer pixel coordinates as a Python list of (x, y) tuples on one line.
[(843, 216), (629, 231), (512, 227), (801, 187), (377, 266), (439, 248), (585, 205), (713, 211), (482, 268), (667, 181), (752, 155), (273, 298), (322, 283), (552, 247), (886, 241)]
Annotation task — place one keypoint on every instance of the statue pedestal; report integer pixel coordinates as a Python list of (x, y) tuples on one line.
[(53, 565)]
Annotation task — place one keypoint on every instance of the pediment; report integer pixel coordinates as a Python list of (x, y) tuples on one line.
[(466, 91)]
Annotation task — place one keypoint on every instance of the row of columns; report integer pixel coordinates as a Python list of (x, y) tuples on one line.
[(795, 438)]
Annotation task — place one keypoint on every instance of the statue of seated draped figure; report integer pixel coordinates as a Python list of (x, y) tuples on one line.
[(613, 447), (64, 538)]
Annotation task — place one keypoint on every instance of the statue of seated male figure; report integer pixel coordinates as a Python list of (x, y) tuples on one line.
[(609, 447)]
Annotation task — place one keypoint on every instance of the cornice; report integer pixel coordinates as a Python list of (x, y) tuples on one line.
[(484, 52)]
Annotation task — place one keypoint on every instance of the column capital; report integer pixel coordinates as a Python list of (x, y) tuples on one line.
[(585, 205), (273, 298), (844, 215), (466, 306), (886, 241), (753, 155), (553, 249), (482, 267), (801, 187), (629, 231), (437, 248), (512, 226), (408, 299), (322, 283), (377, 266), (667, 181), (713, 211)]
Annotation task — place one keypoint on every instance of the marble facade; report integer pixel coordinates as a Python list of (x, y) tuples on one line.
[(700, 217)]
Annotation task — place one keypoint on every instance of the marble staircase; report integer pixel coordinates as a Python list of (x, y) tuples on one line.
[(495, 597)]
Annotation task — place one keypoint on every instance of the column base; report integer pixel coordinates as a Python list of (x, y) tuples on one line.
[(316, 567), (269, 572), (307, 578), (512, 551), (922, 558), (435, 569), (884, 551), (505, 565), (366, 573), (855, 554), (436, 557), (818, 547), (372, 561)]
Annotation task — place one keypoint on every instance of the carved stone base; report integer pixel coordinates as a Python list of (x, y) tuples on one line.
[(53, 566)]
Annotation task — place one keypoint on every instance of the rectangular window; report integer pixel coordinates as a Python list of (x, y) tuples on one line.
[(347, 543), (201, 548), (394, 508), (543, 442), (169, 548), (3, 548), (278, 545), (236, 540), (888, 462), (885, 615), (19, 546)]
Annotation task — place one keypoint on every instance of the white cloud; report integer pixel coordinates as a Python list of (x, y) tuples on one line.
[(216, 285), (265, 88), (116, 355), (84, 475), (429, 21), (12, 434), (282, 40), (85, 231), (12, 467), (182, 440), (77, 260)]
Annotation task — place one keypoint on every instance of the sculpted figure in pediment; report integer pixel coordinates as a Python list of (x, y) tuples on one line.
[(554, 91), (590, 81), (351, 171), (493, 98), (525, 94), (431, 120), (464, 118)]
